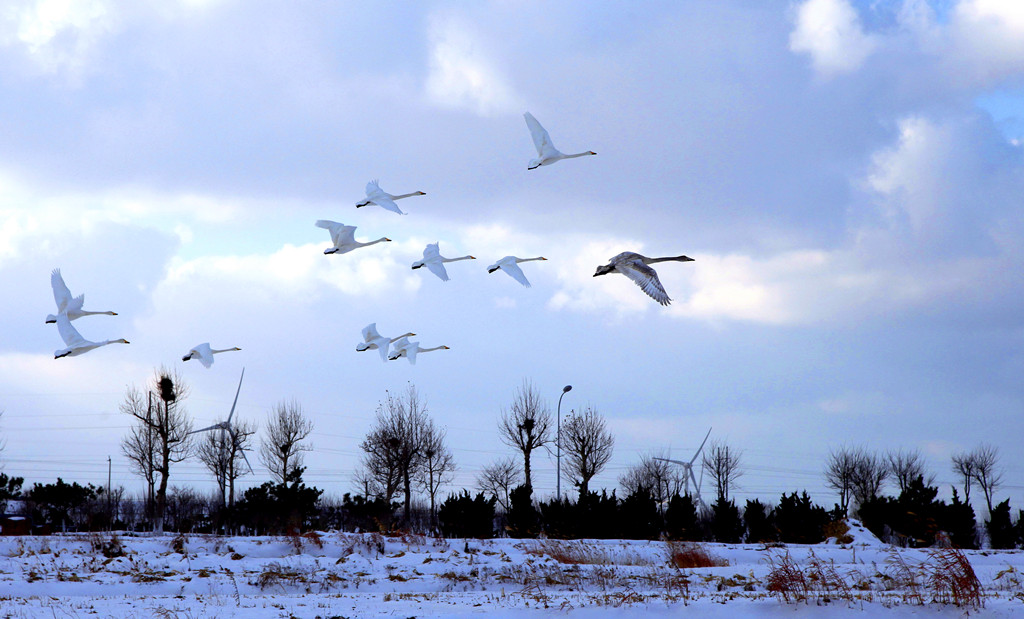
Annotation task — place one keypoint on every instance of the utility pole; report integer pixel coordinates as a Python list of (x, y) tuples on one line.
[(558, 442), (110, 516)]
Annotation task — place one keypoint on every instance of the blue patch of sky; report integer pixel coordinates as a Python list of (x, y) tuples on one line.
[(1006, 107)]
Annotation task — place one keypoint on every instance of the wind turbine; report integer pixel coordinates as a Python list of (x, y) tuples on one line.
[(688, 470), (225, 426)]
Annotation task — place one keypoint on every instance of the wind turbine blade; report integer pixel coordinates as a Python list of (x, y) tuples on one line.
[(701, 446), (670, 460), (236, 396), (247, 461), (696, 484), (213, 427)]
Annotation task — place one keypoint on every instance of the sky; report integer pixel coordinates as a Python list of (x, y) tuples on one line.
[(846, 174)]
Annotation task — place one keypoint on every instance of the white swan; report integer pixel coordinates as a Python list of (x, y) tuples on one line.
[(404, 348), (546, 151), (66, 304), (205, 354), (634, 266), (343, 237), (376, 195), (509, 264), (433, 260), (373, 340), (76, 344)]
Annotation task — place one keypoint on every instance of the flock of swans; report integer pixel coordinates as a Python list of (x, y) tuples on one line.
[(634, 266)]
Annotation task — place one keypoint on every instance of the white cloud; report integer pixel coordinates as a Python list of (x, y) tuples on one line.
[(830, 31), (462, 76), (59, 35), (988, 40)]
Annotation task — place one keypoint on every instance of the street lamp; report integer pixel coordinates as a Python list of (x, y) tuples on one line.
[(558, 441)]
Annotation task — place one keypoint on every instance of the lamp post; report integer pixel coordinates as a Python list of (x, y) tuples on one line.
[(558, 442)]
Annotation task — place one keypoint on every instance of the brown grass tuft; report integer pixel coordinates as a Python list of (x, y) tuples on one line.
[(685, 555)]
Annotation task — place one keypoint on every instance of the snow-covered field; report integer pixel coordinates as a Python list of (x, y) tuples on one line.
[(369, 575)]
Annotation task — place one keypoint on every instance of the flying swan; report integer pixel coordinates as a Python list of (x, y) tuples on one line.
[(634, 266), (546, 151), (373, 340), (404, 348), (433, 260), (343, 237), (66, 304), (76, 344), (376, 195), (509, 264), (205, 354)]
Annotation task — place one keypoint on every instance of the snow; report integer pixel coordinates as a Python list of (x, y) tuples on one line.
[(370, 575)]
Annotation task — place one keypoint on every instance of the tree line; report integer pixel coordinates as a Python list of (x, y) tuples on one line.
[(406, 461)]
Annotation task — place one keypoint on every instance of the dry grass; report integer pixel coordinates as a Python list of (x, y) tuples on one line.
[(688, 555), (952, 580)]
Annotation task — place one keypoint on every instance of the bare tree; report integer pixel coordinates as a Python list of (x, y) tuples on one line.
[(498, 480), (963, 465), (367, 483), (160, 417), (281, 450), (526, 426), (588, 447), (438, 467), (989, 478), (221, 452), (395, 448), (722, 464), (906, 466), (839, 472), (655, 474), (869, 474)]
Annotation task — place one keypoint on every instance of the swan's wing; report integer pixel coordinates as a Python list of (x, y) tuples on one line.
[(370, 333), (540, 136), (516, 273), (381, 344), (398, 347), (410, 352), (203, 353), (437, 268), (647, 278), (431, 252), (61, 294), (384, 201), (336, 229), (373, 187), (75, 305), (72, 338)]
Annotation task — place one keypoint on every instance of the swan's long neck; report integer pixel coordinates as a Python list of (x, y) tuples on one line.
[(88, 313), (530, 259), (589, 152), (668, 259), (380, 240), (408, 195), (410, 334), (457, 259), (434, 348), (214, 352), (120, 341)]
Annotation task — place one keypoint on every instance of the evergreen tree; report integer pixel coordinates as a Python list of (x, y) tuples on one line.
[(681, 522), (462, 516), (523, 519), (759, 524), (799, 520), (638, 515), (1001, 533), (726, 525)]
